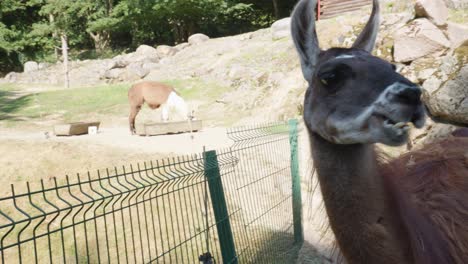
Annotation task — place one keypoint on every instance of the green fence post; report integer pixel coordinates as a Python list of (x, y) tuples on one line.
[(223, 225), (296, 183)]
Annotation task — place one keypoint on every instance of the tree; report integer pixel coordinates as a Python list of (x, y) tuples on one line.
[(16, 20)]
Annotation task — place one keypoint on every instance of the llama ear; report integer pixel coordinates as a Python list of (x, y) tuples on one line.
[(305, 37), (366, 40)]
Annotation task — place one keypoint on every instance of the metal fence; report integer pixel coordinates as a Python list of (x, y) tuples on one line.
[(238, 205), (332, 8)]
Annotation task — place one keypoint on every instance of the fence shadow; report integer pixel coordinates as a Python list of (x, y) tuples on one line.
[(278, 248), (11, 102)]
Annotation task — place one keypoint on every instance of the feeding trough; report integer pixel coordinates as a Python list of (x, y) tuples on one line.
[(76, 128), (162, 128)]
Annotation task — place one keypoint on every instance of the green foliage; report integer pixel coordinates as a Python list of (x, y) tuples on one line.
[(31, 29)]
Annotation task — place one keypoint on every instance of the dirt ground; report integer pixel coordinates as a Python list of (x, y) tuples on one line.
[(32, 155)]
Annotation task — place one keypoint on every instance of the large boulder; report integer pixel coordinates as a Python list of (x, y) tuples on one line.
[(197, 39), (449, 102), (138, 69), (418, 39), (12, 77), (147, 51), (182, 46), (435, 10), (281, 28), (458, 34), (457, 4), (31, 66), (166, 51), (113, 73)]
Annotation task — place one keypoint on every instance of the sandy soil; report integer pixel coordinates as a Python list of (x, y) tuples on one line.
[(45, 157)]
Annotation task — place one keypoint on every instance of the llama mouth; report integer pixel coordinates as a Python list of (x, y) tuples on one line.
[(400, 128), (393, 132)]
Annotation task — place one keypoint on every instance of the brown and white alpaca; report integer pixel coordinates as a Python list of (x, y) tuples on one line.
[(155, 95), (413, 209)]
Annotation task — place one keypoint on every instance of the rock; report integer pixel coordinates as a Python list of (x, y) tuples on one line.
[(431, 133), (448, 65), (165, 51), (238, 72), (137, 69), (450, 102), (31, 66), (281, 29), (425, 74), (12, 77), (148, 51), (435, 10), (182, 46), (43, 65), (150, 66), (456, 4), (113, 73), (458, 34), (431, 85), (117, 62), (418, 39), (197, 39), (139, 57)]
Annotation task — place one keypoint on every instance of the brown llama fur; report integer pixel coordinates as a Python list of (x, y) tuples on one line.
[(154, 94), (430, 187)]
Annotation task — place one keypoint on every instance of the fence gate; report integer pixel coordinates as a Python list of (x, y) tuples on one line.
[(332, 8), (237, 205)]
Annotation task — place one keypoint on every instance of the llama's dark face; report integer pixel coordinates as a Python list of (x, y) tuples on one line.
[(354, 97)]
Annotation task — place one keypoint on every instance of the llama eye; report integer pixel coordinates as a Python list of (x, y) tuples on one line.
[(327, 79)]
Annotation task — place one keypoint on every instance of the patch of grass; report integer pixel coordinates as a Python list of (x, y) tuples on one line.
[(81, 103), (197, 89), (458, 16), (68, 104), (75, 102), (10, 87)]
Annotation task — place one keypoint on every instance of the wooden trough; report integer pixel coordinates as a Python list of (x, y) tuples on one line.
[(73, 129), (153, 129)]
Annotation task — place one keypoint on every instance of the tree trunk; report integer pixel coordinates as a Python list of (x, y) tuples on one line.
[(101, 41), (54, 35), (63, 37), (276, 9)]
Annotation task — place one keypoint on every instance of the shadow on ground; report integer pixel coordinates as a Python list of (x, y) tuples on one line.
[(279, 247), (11, 103)]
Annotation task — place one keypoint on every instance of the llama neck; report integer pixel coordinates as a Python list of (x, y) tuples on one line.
[(356, 201), (348, 178)]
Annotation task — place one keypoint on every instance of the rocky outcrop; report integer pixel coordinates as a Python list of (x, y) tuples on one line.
[(420, 33), (449, 102), (456, 4), (30, 66), (458, 34), (166, 51), (197, 39), (434, 10), (281, 28)]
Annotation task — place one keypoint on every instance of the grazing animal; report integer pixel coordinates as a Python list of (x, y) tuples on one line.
[(413, 209), (155, 94)]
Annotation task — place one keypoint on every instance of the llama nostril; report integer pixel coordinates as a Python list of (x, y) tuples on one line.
[(410, 95)]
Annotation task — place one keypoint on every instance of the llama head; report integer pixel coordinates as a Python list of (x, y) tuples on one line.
[(353, 97)]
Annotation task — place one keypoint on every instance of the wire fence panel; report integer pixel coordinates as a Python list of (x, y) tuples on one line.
[(167, 211), (259, 190)]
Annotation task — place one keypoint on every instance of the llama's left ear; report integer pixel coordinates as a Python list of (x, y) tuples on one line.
[(366, 40), (305, 37)]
